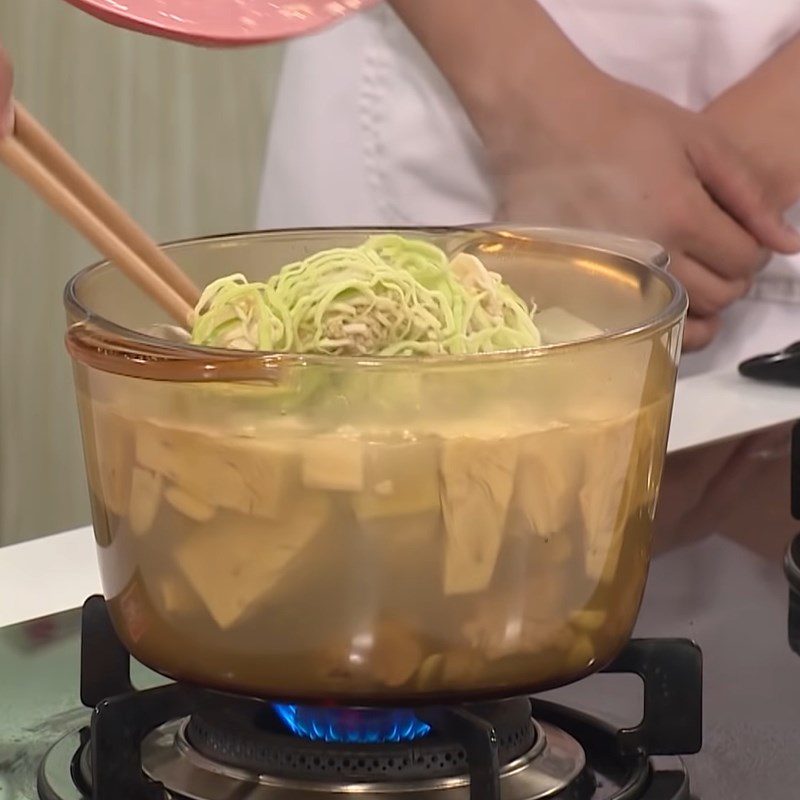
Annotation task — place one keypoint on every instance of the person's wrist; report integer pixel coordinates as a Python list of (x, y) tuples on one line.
[(529, 104), (778, 182), (511, 66), (745, 114)]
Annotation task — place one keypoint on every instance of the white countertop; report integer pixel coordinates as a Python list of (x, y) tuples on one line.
[(724, 405), (717, 405), (47, 575)]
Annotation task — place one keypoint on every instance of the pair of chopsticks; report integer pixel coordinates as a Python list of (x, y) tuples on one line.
[(39, 160)]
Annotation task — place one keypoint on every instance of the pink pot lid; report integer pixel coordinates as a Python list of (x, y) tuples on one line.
[(222, 23)]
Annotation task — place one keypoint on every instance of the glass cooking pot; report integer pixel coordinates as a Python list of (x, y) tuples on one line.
[(381, 531)]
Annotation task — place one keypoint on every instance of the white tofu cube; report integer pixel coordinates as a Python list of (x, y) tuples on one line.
[(401, 478)]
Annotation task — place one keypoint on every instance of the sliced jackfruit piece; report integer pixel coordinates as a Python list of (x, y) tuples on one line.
[(604, 499), (496, 629), (589, 620), (430, 672), (560, 547), (251, 476), (270, 472), (235, 562), (401, 478), (477, 483), (521, 620), (176, 596), (450, 670), (461, 667), (114, 444), (581, 654), (145, 498), (188, 505), (396, 655), (549, 475), (388, 654), (334, 462)]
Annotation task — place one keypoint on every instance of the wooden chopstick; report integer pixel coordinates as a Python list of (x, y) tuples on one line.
[(34, 156), (57, 161), (25, 166)]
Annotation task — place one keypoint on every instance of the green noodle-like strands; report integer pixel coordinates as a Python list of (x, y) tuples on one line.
[(390, 296)]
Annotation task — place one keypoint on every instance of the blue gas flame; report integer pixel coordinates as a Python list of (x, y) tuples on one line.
[(352, 725)]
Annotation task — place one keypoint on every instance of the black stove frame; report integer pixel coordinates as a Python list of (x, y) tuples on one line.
[(792, 566), (671, 670)]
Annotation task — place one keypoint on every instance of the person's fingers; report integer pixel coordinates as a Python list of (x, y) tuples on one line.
[(6, 84), (709, 294), (699, 332), (715, 239), (727, 178)]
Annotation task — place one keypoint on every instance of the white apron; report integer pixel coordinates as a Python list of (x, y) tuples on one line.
[(366, 131)]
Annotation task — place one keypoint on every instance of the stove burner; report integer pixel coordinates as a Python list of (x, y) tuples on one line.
[(244, 734), (181, 742), (352, 725), (563, 738)]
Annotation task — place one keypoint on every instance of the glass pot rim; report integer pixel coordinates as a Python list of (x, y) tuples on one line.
[(98, 342)]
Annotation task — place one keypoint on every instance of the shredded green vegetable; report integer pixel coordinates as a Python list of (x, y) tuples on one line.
[(390, 296)]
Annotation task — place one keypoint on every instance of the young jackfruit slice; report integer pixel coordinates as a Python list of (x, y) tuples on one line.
[(145, 498), (234, 562), (175, 596), (188, 505), (247, 475), (549, 475), (604, 496), (477, 483), (113, 443)]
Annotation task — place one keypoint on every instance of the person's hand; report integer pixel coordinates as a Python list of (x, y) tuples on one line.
[(570, 145), (761, 114), (614, 157), (6, 83)]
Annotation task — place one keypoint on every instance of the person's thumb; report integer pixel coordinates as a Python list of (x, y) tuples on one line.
[(6, 101), (728, 179)]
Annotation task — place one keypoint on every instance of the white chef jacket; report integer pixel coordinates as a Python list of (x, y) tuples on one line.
[(366, 131)]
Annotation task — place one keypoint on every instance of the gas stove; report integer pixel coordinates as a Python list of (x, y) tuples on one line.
[(181, 741)]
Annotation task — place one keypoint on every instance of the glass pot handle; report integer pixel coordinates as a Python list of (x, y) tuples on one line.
[(672, 672)]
